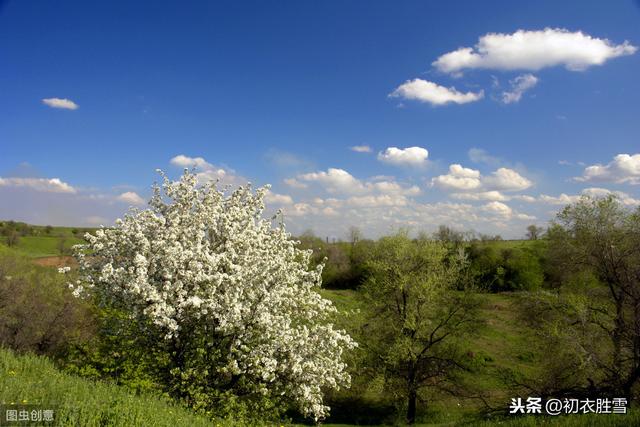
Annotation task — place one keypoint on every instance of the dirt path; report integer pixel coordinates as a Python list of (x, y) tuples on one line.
[(55, 261)]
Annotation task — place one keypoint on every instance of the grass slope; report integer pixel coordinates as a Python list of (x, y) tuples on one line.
[(34, 380), (43, 246), (500, 342)]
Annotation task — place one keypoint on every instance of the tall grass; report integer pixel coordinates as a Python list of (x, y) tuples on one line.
[(29, 379)]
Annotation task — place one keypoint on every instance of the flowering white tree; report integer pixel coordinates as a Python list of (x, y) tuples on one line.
[(202, 264)]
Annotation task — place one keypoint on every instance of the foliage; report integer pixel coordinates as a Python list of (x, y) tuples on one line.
[(28, 379), (227, 300), (416, 316), (344, 263), (36, 311), (601, 238), (497, 268), (534, 232)]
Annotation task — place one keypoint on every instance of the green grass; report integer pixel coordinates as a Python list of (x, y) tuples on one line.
[(31, 379), (501, 341), (42, 246)]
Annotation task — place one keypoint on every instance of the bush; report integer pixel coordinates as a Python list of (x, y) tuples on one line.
[(36, 311), (498, 269)]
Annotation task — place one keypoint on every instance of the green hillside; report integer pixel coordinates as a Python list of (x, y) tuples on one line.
[(34, 380)]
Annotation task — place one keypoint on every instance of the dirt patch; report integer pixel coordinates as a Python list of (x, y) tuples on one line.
[(56, 261)]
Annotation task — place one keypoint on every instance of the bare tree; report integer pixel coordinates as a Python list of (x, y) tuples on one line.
[(355, 235)]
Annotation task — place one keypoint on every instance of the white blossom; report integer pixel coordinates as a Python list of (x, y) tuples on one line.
[(198, 254)]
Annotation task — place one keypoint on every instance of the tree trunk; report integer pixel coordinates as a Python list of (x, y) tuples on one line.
[(412, 395)]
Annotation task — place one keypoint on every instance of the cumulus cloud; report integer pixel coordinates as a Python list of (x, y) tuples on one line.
[(411, 156), (471, 185), (190, 162), (392, 187), (519, 86), (524, 198), (534, 50), (458, 178), (48, 185), (593, 192), (381, 200), (507, 180), (62, 103), (562, 199), (294, 183), (624, 198), (277, 199), (334, 180), (483, 195), (206, 171), (361, 148), (434, 94), (131, 198), (498, 208), (624, 168)]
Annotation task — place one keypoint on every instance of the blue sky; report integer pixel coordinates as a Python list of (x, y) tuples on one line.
[(512, 108)]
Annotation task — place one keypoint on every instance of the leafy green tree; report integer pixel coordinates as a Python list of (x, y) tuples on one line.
[(601, 238), (534, 232), (416, 316), (61, 245), (13, 238)]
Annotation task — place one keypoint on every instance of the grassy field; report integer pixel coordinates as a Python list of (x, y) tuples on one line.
[(44, 246), (500, 342), (79, 402), (34, 380)]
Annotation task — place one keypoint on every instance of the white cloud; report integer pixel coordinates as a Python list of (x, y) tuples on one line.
[(411, 156), (507, 180), (190, 162), (484, 195), (335, 180), (383, 200), (471, 185), (62, 103), (206, 171), (392, 187), (524, 198), (294, 183), (48, 185), (131, 198), (519, 86), (562, 199), (458, 178), (534, 50), (278, 199), (594, 192), (361, 148), (624, 168), (498, 208), (426, 91), (625, 198), (524, 217)]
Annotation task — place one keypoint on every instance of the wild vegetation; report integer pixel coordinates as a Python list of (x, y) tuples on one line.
[(449, 326)]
